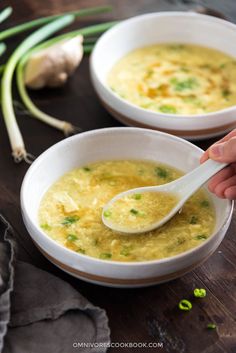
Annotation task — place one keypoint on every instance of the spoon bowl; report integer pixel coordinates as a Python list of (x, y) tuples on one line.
[(182, 188)]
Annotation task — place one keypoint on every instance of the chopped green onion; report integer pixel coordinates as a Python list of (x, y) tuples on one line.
[(107, 213), (211, 326), (199, 292), (4, 14), (18, 149), (205, 203), (161, 172), (87, 169), (82, 251), (45, 226), (105, 255), (70, 220), (71, 237), (134, 211), (200, 236), (185, 305), (193, 220), (137, 196), (182, 85), (168, 109), (226, 93)]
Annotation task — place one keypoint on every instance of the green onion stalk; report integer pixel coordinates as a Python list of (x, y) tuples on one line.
[(17, 144), (35, 112), (44, 20)]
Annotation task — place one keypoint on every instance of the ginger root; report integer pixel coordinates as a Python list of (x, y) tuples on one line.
[(51, 67)]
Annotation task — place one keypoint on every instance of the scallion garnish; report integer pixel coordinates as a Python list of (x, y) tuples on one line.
[(211, 326), (185, 305), (200, 236), (134, 211), (70, 220), (107, 213), (199, 292), (137, 196), (72, 237), (105, 255)]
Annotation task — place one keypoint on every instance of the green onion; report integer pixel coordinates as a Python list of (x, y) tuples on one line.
[(62, 125), (87, 169), (82, 251), (182, 85), (125, 251), (201, 236), (193, 220), (185, 305), (211, 326), (4, 14), (161, 172), (44, 20), (45, 226), (134, 211), (107, 213), (72, 237), (226, 93), (199, 292), (70, 220), (86, 31), (18, 149), (137, 196), (105, 255), (168, 109), (204, 203)]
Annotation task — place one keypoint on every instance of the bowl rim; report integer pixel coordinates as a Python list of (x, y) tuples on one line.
[(151, 113), (64, 142)]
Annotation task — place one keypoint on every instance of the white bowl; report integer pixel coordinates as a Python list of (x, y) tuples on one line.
[(162, 27), (111, 144)]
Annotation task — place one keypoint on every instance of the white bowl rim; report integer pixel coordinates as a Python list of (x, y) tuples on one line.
[(94, 259), (151, 113)]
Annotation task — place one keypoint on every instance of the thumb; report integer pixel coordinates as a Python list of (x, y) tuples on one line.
[(224, 152)]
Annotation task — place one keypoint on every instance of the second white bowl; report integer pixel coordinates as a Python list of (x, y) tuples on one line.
[(154, 28)]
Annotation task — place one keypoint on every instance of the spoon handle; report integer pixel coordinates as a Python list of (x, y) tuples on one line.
[(199, 176)]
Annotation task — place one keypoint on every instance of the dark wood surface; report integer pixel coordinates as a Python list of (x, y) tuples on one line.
[(137, 315)]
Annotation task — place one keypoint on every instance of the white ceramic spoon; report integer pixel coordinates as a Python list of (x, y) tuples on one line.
[(183, 188)]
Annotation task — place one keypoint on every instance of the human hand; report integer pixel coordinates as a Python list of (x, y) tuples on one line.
[(223, 184)]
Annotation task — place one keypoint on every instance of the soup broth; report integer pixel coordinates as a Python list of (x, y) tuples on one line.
[(176, 79), (70, 212)]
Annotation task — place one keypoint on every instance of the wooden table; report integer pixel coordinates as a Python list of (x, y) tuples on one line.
[(138, 315)]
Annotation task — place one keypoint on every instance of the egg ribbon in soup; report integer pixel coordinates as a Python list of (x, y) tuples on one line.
[(71, 212), (176, 79)]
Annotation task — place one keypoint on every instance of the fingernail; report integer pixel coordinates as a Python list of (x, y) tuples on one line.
[(217, 150)]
